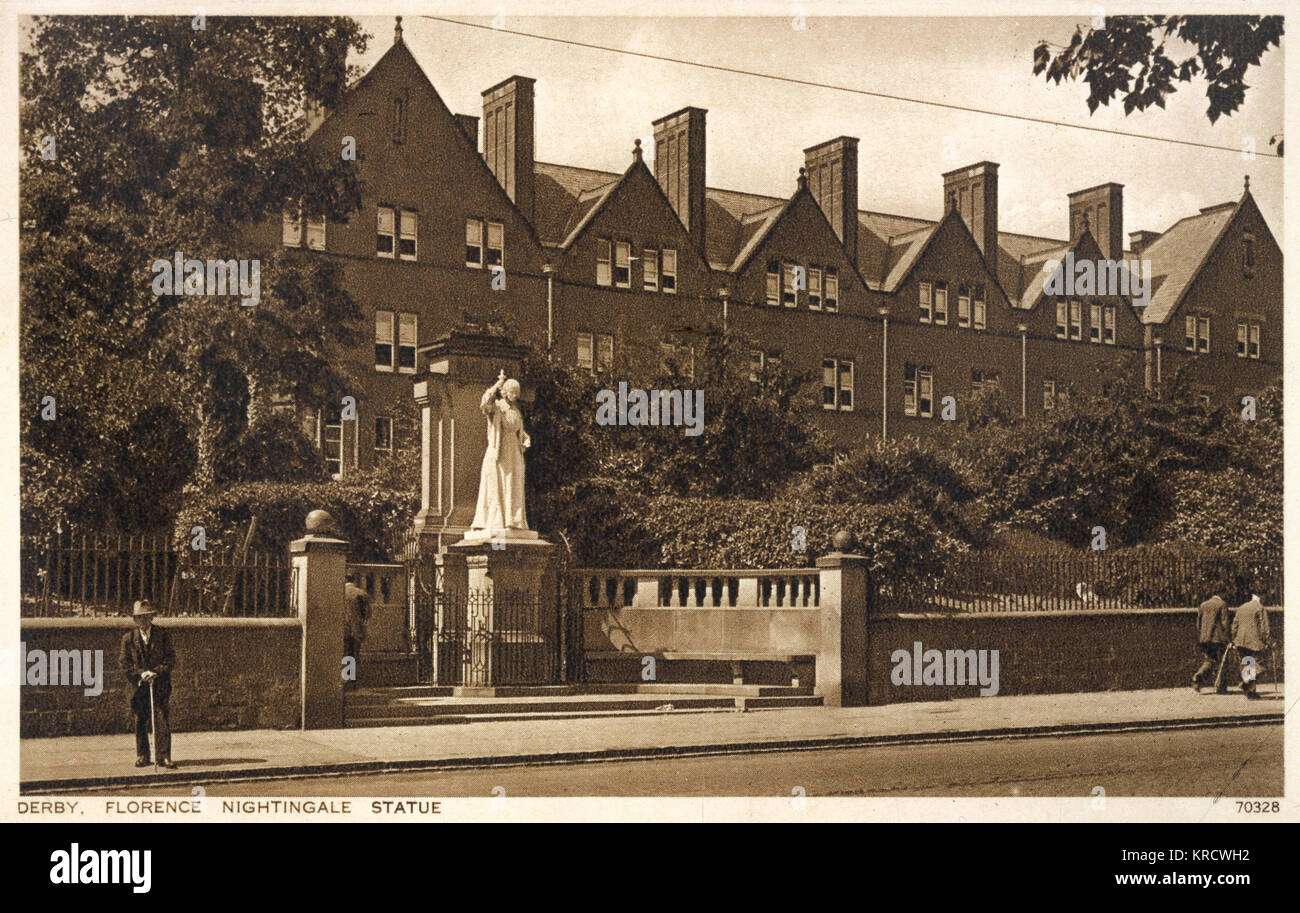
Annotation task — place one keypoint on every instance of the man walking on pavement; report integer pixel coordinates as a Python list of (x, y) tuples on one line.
[(1212, 639), (147, 660), (354, 624), (1250, 635)]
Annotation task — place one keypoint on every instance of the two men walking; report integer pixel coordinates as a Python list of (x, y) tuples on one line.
[(1247, 632)]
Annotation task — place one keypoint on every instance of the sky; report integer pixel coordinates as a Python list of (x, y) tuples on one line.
[(592, 104)]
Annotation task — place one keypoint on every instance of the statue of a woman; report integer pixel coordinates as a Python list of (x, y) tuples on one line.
[(501, 482)]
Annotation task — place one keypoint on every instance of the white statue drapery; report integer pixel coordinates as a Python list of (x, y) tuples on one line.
[(501, 481)]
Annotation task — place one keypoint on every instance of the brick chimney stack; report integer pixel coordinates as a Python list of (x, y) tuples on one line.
[(508, 138), (679, 167), (832, 169), (973, 192), (1139, 241), (1103, 207)]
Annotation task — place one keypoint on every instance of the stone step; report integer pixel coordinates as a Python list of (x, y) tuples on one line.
[(384, 696), (413, 707), (749, 704)]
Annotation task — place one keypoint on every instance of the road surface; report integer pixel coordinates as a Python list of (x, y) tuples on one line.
[(1243, 761)]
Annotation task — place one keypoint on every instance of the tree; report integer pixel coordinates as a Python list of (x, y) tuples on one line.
[(1128, 56), (143, 136)]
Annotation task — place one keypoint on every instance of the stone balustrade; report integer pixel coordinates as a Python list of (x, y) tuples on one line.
[(702, 589)]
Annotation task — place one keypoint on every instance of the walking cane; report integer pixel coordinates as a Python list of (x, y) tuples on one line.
[(153, 726), (1218, 678)]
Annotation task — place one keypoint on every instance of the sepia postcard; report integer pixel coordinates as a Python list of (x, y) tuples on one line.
[(633, 412)]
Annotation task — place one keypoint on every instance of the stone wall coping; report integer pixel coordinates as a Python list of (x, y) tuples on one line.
[(745, 607), (124, 623), (317, 543), (1072, 613), (695, 572)]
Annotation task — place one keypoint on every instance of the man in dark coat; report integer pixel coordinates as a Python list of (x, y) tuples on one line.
[(1250, 634), (1212, 639), (354, 623), (147, 660)]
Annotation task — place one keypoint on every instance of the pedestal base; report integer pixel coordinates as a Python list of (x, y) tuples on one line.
[(503, 537)]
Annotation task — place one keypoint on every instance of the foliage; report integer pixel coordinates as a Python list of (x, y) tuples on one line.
[(366, 517), (1129, 56), (169, 138), (275, 449)]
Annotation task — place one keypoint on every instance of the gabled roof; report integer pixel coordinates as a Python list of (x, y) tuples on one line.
[(1178, 255)]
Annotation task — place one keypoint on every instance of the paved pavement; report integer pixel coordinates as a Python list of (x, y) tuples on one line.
[(99, 761)]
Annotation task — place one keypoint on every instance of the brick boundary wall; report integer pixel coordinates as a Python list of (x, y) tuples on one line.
[(1051, 653), (231, 673)]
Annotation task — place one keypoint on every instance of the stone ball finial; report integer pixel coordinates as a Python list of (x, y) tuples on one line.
[(320, 521), (636, 150), (803, 176), (842, 540)]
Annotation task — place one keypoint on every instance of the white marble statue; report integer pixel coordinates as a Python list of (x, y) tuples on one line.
[(501, 482)]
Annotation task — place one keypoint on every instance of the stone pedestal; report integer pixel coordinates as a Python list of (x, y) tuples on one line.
[(452, 374), (842, 656), (506, 589), (319, 571)]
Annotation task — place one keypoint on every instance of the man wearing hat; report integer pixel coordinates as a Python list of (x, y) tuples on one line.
[(147, 661), (1212, 639), (1251, 635)]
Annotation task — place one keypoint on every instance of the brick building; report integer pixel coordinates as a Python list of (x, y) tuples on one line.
[(897, 312)]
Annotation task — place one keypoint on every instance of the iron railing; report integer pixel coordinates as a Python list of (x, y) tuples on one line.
[(70, 574)]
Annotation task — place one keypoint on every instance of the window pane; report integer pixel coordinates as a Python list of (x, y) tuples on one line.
[(670, 270), (292, 230), (473, 242), (316, 234), (1254, 340), (384, 339), (814, 287), (846, 385), (650, 268), (605, 353), (603, 273), (787, 285), (773, 289), (407, 331), (828, 383), (406, 243), (832, 297), (584, 351), (496, 246), (622, 264), (384, 235), (383, 433)]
